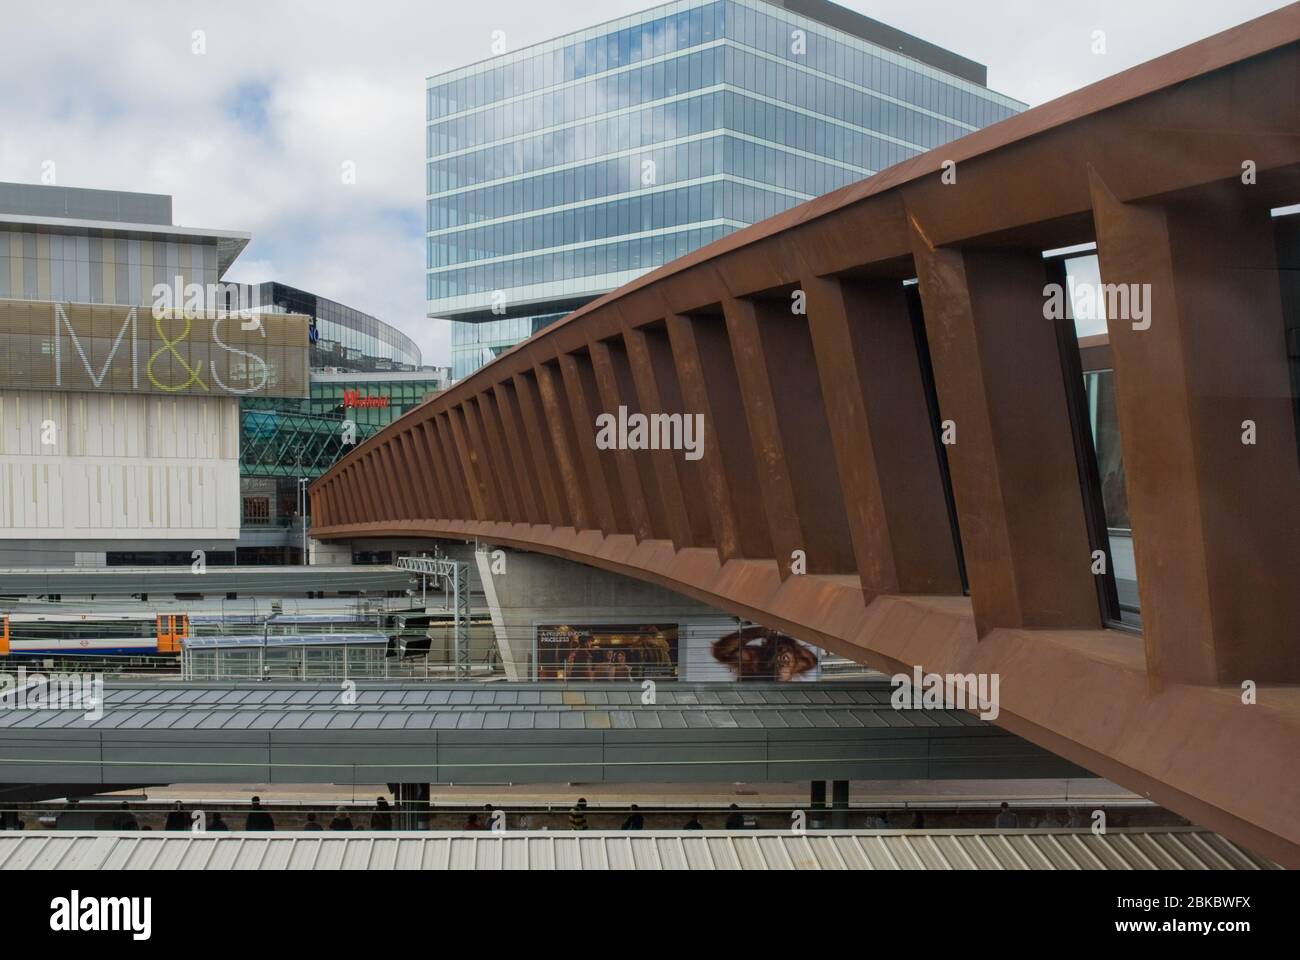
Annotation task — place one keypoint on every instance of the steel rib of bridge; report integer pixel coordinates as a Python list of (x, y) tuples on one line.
[(817, 436)]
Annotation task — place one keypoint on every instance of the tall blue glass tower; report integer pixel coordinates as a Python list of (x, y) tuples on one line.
[(563, 170)]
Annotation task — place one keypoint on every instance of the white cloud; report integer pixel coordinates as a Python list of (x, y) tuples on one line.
[(251, 134)]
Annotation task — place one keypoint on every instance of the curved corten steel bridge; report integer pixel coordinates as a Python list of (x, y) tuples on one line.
[(821, 430)]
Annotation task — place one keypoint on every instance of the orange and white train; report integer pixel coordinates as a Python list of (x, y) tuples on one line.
[(92, 634)]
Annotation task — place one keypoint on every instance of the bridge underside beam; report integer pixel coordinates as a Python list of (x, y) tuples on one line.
[(1117, 729)]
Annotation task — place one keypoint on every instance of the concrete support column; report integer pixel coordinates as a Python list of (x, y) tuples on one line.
[(333, 553), (840, 805), (817, 805), (530, 589), (516, 659)]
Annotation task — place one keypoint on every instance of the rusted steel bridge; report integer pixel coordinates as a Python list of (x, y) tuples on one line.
[(896, 472)]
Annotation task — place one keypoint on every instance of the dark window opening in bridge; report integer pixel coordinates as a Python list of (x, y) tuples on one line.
[(1103, 427), (1287, 232), (691, 473), (1283, 514), (805, 438), (1090, 397), (914, 310)]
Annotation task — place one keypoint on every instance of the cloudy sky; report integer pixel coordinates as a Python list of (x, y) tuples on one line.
[(253, 133)]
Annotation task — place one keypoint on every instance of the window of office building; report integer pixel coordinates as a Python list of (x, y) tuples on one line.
[(560, 172)]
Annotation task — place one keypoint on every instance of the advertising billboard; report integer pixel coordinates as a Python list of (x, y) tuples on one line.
[(121, 349), (606, 651), (698, 650), (723, 650)]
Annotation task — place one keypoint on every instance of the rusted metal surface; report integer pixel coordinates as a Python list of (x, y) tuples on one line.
[(818, 505)]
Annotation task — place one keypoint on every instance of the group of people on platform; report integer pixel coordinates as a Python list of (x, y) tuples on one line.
[(578, 819), (259, 819)]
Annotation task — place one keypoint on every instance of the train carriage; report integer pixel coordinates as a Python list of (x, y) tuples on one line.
[(92, 634)]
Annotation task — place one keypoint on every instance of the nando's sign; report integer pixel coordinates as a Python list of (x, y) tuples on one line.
[(355, 398), (121, 349)]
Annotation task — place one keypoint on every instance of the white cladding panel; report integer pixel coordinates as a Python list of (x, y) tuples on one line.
[(92, 465)]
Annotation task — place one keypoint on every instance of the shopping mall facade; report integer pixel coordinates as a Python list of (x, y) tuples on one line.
[(559, 172), (364, 374), (131, 435)]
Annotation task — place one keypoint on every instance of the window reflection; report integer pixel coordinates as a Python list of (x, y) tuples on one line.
[(535, 178), (1099, 387)]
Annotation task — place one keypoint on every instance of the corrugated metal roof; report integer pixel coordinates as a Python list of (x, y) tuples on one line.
[(1174, 848), (590, 706), (446, 732)]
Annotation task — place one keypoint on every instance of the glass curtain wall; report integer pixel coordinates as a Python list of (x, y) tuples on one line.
[(560, 172)]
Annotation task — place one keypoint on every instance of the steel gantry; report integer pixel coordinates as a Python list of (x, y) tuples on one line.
[(454, 576)]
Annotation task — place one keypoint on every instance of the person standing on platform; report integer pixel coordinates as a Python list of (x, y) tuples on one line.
[(578, 815), (258, 819), (177, 818), (382, 818)]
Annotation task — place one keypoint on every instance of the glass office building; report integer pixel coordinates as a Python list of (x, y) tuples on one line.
[(343, 338), (561, 171)]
